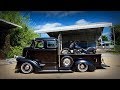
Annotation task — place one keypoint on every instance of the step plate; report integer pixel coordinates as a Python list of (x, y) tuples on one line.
[(56, 71)]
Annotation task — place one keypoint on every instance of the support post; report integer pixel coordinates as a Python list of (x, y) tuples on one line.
[(59, 47), (113, 36)]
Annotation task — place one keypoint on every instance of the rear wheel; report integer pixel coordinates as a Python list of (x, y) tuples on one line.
[(26, 68), (82, 67)]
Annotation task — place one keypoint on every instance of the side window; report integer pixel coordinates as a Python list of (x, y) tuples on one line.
[(39, 44), (32, 44), (51, 44)]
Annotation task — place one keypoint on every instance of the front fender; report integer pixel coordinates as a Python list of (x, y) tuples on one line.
[(34, 63)]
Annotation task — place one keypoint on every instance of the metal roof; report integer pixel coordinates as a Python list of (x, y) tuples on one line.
[(74, 27), (7, 25)]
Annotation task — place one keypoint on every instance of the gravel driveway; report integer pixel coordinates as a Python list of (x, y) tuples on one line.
[(7, 71)]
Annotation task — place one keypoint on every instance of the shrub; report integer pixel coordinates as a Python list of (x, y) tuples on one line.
[(14, 51), (117, 48)]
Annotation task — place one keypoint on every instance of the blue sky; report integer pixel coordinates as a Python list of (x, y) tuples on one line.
[(48, 19)]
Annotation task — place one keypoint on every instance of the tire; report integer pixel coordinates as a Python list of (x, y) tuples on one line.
[(67, 61), (82, 67), (65, 51), (26, 68), (91, 68)]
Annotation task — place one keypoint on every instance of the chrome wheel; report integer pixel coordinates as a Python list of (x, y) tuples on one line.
[(67, 61), (82, 67), (26, 68)]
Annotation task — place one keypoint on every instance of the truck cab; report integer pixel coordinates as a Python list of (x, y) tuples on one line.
[(44, 50)]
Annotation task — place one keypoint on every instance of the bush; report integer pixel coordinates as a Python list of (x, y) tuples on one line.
[(16, 38), (117, 48), (14, 51)]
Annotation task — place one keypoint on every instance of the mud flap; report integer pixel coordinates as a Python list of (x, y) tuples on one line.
[(104, 65)]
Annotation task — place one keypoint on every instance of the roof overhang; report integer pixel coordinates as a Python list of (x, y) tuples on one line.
[(88, 33), (5, 25), (75, 27)]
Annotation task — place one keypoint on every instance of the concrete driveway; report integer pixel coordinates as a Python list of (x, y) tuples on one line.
[(7, 71)]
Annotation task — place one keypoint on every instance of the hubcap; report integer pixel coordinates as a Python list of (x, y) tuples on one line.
[(82, 67), (26, 67), (66, 62)]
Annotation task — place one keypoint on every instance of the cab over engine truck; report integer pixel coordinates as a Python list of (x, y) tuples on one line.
[(44, 55), (53, 54)]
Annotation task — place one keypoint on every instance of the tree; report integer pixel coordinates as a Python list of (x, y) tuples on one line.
[(116, 29), (17, 38), (104, 38)]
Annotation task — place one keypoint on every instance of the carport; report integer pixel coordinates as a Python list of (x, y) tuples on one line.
[(88, 34), (5, 27)]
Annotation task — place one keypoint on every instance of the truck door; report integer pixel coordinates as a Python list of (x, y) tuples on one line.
[(46, 53)]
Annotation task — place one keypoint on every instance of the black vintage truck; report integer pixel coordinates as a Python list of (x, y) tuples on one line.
[(43, 55), (57, 55)]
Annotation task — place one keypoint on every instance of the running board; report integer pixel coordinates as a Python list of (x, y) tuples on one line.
[(56, 71)]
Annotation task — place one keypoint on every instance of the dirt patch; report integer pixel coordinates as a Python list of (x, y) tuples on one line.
[(117, 65), (7, 61)]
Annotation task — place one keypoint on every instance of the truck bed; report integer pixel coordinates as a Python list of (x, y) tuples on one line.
[(94, 58)]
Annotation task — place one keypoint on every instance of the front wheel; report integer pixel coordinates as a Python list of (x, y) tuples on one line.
[(82, 67), (26, 68)]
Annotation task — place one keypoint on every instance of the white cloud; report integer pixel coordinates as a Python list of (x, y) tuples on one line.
[(82, 22), (66, 13), (53, 25), (48, 26), (58, 13)]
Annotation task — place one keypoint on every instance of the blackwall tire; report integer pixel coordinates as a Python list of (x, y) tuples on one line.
[(82, 67), (26, 68), (67, 61)]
